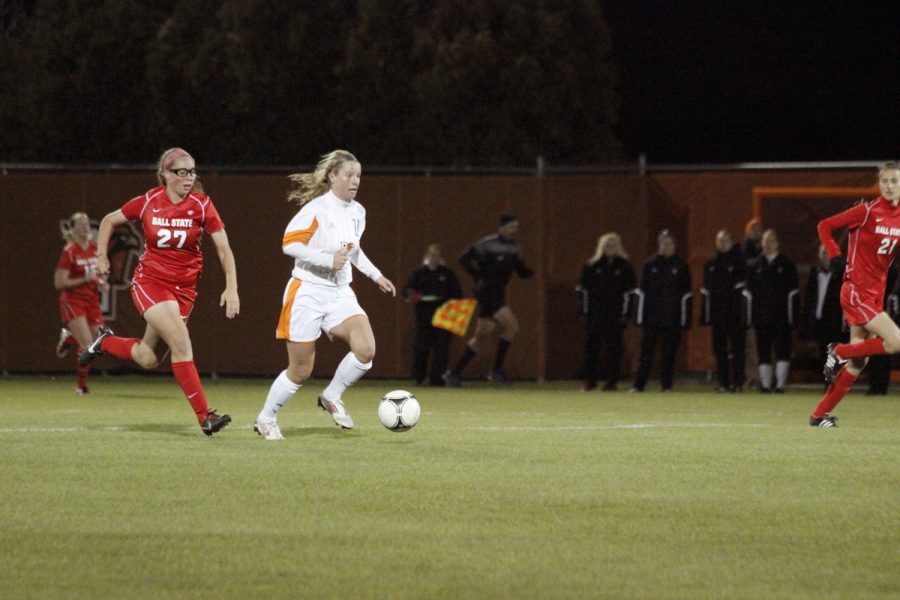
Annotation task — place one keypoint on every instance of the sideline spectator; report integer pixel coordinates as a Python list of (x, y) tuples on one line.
[(429, 286), (663, 310), (751, 249), (776, 309), (752, 246), (823, 319), (724, 284), (605, 281)]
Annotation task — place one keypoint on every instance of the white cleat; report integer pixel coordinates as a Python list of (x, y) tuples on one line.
[(337, 410), (268, 429)]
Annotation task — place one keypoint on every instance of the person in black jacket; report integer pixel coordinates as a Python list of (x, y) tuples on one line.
[(663, 310), (491, 261), (823, 318), (605, 281), (751, 248), (429, 286), (776, 310), (724, 285)]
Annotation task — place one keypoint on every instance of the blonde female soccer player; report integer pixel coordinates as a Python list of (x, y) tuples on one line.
[(174, 216), (874, 232), (78, 280), (324, 240)]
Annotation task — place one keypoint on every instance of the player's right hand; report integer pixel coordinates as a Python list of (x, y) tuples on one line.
[(102, 265), (340, 259)]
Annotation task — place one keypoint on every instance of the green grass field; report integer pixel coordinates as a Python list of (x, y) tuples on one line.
[(535, 491)]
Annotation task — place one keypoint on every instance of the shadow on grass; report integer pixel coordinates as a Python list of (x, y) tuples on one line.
[(332, 432), (164, 428)]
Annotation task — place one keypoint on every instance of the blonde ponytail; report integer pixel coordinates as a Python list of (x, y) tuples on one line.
[(311, 185)]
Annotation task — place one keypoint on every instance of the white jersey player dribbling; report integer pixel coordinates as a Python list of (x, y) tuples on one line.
[(324, 240), (318, 296)]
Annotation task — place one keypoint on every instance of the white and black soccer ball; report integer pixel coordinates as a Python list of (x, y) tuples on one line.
[(399, 410)]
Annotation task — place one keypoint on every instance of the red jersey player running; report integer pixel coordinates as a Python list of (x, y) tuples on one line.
[(874, 232), (174, 216), (77, 279)]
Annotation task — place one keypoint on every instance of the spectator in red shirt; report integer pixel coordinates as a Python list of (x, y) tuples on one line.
[(174, 216)]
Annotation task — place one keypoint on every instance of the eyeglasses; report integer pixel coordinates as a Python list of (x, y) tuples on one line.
[(183, 172)]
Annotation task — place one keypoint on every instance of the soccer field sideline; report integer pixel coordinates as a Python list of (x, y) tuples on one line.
[(534, 491)]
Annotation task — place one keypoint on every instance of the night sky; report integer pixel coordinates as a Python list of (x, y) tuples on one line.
[(705, 82)]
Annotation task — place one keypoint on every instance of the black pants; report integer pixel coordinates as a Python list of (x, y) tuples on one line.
[(730, 372), (599, 333), (879, 368), (434, 343), (668, 338), (769, 337)]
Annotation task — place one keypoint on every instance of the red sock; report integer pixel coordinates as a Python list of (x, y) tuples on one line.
[(189, 380), (118, 346), (82, 372), (870, 347), (835, 393)]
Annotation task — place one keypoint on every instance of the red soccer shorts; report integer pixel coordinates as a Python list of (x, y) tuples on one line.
[(860, 306), (147, 292), (72, 308)]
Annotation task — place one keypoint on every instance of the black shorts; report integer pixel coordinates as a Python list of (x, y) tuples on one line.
[(489, 302)]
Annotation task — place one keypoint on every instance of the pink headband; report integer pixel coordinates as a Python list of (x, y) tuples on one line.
[(174, 155)]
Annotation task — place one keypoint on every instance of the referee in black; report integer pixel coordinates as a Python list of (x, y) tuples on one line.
[(491, 261)]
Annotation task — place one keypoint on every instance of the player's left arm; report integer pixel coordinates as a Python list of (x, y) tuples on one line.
[(523, 270), (229, 298)]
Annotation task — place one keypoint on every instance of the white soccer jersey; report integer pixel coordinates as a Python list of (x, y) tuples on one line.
[(324, 226)]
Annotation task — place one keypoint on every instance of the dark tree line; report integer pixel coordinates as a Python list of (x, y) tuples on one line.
[(448, 82)]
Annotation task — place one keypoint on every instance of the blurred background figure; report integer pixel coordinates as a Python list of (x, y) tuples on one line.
[(752, 246), (430, 285), (491, 262), (823, 318), (663, 310), (605, 281), (751, 249), (724, 284), (776, 310), (78, 280)]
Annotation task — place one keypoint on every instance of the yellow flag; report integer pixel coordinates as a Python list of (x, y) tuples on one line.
[(455, 315)]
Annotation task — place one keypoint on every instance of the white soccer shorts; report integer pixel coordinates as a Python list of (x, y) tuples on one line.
[(308, 309)]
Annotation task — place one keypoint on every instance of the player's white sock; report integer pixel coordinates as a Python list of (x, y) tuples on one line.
[(782, 369), (348, 373), (765, 376), (282, 390)]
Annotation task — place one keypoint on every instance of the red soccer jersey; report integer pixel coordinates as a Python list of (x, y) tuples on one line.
[(874, 233), (172, 234), (78, 261)]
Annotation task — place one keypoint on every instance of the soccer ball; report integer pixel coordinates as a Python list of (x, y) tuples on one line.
[(399, 410)]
